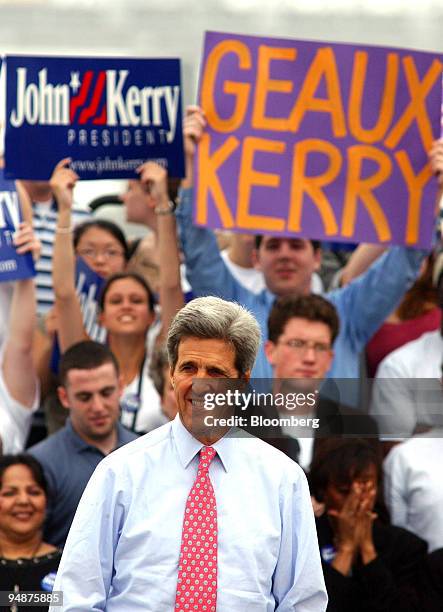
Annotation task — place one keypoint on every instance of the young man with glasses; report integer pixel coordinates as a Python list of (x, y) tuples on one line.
[(301, 332)]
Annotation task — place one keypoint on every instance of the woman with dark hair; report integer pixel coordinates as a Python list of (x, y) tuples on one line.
[(368, 565), (127, 314), (126, 305), (27, 563), (417, 313), (102, 245)]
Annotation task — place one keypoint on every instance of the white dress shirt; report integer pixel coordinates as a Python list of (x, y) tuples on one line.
[(123, 548), (413, 486), (407, 391)]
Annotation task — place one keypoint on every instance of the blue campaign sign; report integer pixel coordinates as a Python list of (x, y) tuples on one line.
[(88, 285), (12, 266), (108, 114)]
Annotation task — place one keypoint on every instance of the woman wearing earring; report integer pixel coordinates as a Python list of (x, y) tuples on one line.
[(27, 562)]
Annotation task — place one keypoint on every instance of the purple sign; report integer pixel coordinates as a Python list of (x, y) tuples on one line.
[(327, 141)]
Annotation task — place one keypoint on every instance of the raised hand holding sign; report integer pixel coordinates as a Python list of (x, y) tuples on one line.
[(16, 260)]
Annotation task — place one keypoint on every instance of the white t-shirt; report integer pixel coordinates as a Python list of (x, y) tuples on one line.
[(7, 433), (149, 414), (250, 278), (413, 486), (254, 280), (407, 392), (6, 290), (140, 398), (15, 419)]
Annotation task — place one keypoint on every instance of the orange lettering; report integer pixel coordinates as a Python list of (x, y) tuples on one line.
[(312, 185), (209, 182), (249, 177), (357, 187), (386, 113), (265, 84), (415, 184), (239, 90), (323, 65), (416, 108)]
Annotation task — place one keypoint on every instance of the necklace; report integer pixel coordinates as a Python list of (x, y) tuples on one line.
[(31, 556)]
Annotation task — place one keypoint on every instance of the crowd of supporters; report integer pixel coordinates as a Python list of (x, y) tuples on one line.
[(76, 384)]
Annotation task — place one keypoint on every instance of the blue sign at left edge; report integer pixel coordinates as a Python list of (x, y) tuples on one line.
[(12, 266)]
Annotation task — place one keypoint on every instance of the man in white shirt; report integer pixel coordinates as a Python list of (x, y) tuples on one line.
[(185, 520), (406, 396), (413, 486)]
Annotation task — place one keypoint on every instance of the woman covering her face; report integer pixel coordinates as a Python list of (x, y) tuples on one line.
[(27, 562), (368, 564)]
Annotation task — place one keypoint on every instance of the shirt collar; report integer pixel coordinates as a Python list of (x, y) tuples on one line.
[(269, 298), (80, 445), (77, 442), (188, 446), (123, 435)]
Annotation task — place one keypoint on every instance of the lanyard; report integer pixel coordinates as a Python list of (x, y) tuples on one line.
[(133, 402)]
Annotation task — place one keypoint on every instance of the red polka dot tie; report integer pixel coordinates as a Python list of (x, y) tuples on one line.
[(197, 570)]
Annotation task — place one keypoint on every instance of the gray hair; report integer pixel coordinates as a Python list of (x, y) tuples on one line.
[(214, 318)]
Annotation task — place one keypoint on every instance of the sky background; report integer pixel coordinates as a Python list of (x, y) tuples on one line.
[(174, 28)]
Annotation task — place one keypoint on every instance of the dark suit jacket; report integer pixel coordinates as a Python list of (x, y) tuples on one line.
[(335, 420)]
